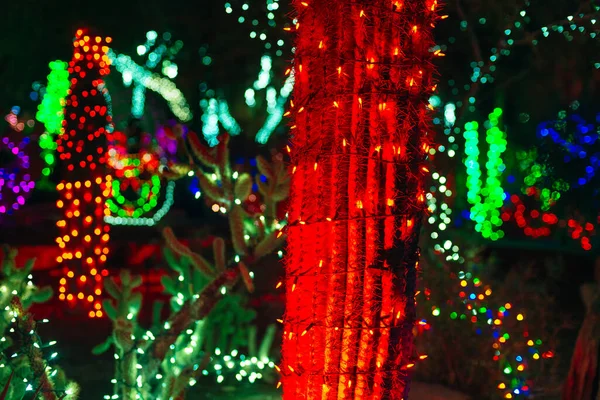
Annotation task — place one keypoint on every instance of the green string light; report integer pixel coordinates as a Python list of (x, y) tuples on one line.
[(486, 197), (50, 111)]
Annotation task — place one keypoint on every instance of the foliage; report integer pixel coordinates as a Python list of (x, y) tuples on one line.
[(208, 319), (25, 358)]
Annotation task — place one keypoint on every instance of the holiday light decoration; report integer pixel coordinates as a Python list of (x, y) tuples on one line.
[(363, 78), (216, 111), (534, 223), (486, 199), (50, 111), (16, 182), (582, 231), (476, 304), (81, 145), (158, 52), (164, 361), (484, 69), (161, 85), (475, 300), (584, 137), (440, 217), (483, 72), (136, 184), (536, 176), (575, 146), (266, 19), (28, 363), (276, 109), (239, 365), (514, 345)]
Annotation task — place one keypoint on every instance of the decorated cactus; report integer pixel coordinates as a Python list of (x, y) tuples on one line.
[(27, 369), (208, 317)]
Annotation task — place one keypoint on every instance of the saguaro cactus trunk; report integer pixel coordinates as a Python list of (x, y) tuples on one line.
[(359, 141)]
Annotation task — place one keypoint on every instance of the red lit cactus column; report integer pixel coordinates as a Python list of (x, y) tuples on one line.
[(363, 76), (83, 190)]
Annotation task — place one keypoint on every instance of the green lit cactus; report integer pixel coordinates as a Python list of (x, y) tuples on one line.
[(208, 319), (27, 369)]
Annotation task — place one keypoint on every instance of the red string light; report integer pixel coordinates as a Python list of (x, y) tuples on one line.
[(81, 145), (538, 224), (363, 75), (533, 223)]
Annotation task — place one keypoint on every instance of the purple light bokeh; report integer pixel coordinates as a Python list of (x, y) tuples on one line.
[(14, 178)]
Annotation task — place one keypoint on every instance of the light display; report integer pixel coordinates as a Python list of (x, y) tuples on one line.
[(50, 111), (81, 145), (216, 111), (582, 231), (476, 302), (440, 196), (136, 183), (534, 223), (363, 77), (266, 19), (486, 199), (276, 109), (152, 81), (515, 369), (579, 147), (571, 141), (513, 344), (28, 363), (266, 27), (158, 51), (484, 68), (16, 182), (536, 176)]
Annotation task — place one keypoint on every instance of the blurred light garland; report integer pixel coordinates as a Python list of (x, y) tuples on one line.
[(216, 111), (267, 30), (514, 385), (576, 144), (582, 231), (474, 295), (474, 306), (129, 169), (161, 85), (264, 22), (483, 70), (50, 111), (15, 176), (147, 221), (238, 365), (486, 200), (164, 52), (536, 174), (529, 220)]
